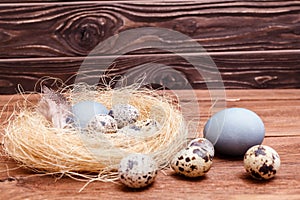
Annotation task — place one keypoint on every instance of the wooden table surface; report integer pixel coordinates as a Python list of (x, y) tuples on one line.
[(280, 111)]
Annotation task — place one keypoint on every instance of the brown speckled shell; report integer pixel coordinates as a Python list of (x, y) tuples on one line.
[(124, 114), (137, 170), (261, 162), (205, 144), (103, 124), (192, 162)]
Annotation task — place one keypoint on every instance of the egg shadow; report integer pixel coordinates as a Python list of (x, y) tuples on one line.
[(180, 177), (247, 178), (124, 188)]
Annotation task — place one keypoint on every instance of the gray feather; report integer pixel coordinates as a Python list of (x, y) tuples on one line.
[(54, 107)]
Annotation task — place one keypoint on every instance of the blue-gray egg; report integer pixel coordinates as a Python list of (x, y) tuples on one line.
[(84, 111), (234, 130)]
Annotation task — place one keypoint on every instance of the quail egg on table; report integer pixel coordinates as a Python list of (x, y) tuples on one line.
[(102, 123), (124, 114), (192, 162), (204, 144), (84, 111), (137, 170), (261, 162)]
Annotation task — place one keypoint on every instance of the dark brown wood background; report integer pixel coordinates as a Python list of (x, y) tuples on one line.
[(255, 44)]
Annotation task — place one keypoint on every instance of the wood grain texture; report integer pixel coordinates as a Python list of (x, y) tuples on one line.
[(255, 70), (72, 29), (226, 179), (255, 43)]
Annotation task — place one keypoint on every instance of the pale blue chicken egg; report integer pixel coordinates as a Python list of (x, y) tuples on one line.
[(84, 111), (234, 130)]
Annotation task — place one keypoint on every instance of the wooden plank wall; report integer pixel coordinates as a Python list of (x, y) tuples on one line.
[(255, 44)]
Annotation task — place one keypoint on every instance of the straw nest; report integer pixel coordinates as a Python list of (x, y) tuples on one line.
[(34, 143)]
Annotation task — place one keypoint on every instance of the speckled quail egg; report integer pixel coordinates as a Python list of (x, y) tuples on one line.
[(261, 162), (84, 111), (192, 162), (149, 125), (137, 170), (204, 144), (102, 123), (144, 127), (124, 114)]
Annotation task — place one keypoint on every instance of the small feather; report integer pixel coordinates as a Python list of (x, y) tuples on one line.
[(54, 107)]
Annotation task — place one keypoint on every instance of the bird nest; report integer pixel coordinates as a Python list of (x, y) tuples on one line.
[(33, 141)]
